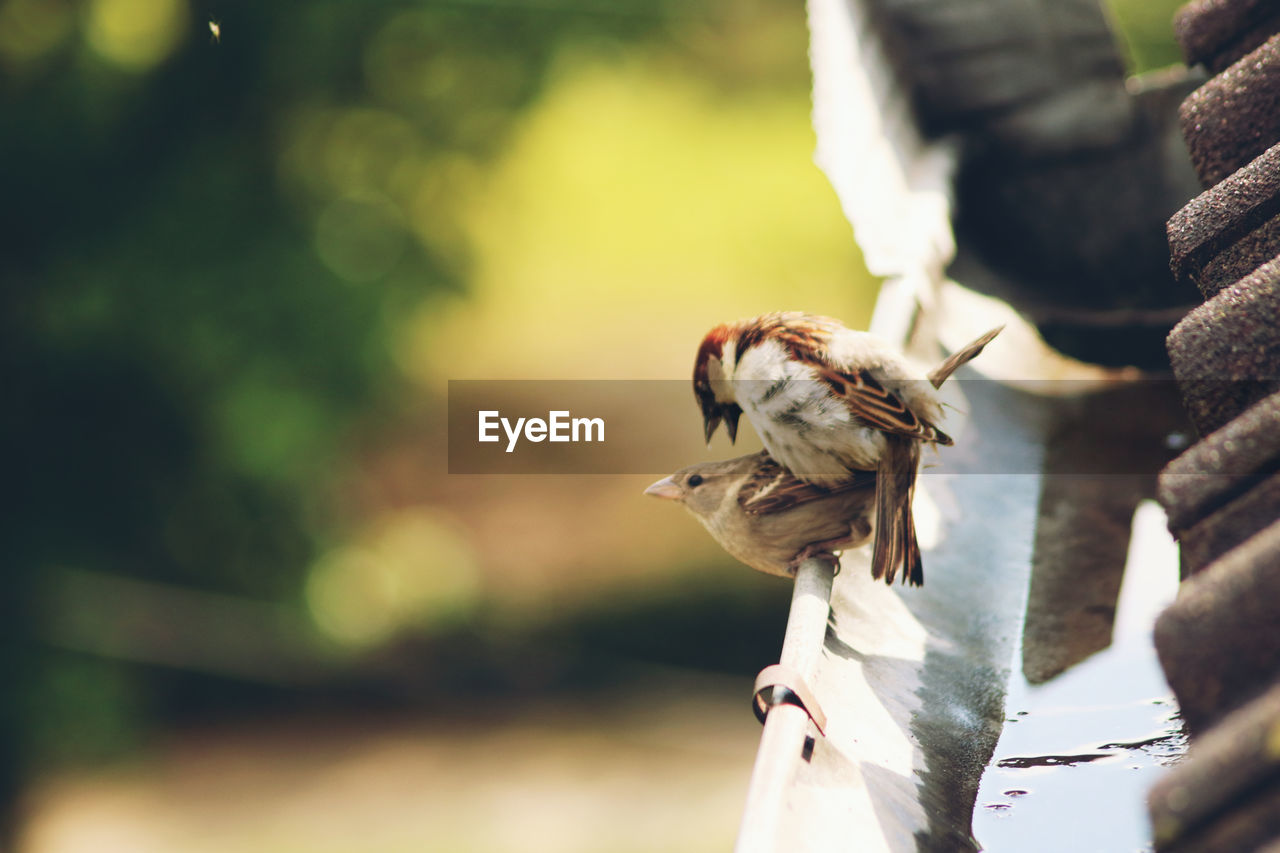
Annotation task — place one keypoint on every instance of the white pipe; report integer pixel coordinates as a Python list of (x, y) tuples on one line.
[(785, 728)]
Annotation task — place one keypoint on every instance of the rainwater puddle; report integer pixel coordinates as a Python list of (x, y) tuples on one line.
[(1079, 753)]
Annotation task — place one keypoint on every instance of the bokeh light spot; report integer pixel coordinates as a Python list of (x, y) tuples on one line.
[(365, 148), (413, 569), (30, 29), (417, 64), (272, 429), (136, 34), (360, 238)]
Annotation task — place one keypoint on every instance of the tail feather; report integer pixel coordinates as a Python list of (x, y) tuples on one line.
[(895, 541), (966, 353), (884, 553), (913, 565)]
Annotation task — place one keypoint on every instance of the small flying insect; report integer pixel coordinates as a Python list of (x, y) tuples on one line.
[(215, 31)]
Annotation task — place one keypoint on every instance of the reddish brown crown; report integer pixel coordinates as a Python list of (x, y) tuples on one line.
[(712, 345), (713, 412)]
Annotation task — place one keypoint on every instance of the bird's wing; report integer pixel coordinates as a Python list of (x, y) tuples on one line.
[(870, 403), (894, 186), (873, 405), (771, 488)]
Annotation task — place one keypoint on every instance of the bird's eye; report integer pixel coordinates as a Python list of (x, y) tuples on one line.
[(695, 481)]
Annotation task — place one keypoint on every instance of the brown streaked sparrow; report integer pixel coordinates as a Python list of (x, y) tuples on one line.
[(762, 515), (828, 402)]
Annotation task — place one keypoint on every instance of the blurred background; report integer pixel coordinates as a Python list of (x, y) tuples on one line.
[(245, 246)]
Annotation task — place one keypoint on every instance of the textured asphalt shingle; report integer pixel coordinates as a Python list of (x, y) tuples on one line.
[(1226, 353), (1215, 33), (1218, 637), (1218, 643), (1230, 229), (1225, 794), (1233, 524), (1235, 116), (1222, 466)]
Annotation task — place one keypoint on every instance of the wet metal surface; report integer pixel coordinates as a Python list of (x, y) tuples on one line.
[(1080, 751)]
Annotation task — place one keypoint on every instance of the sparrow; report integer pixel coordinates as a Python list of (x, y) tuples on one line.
[(764, 516), (829, 402)]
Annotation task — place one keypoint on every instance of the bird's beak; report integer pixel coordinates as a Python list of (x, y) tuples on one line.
[(709, 424), (665, 488), (731, 415)]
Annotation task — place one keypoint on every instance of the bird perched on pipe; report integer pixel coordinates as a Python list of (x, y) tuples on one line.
[(767, 518), (829, 402)]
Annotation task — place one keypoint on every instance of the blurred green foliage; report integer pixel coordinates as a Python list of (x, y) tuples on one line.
[(206, 246), (210, 241), (1145, 27)]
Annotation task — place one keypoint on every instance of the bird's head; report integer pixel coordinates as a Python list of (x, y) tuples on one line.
[(702, 488), (711, 371)]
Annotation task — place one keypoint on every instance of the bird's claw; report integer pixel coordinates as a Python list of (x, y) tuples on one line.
[(816, 551)]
